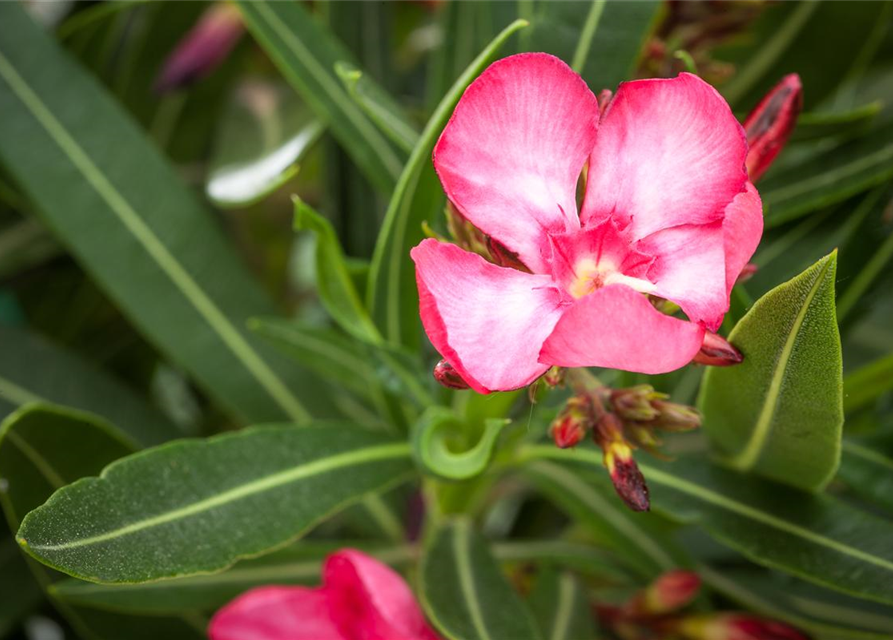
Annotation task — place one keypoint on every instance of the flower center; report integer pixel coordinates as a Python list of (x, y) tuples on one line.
[(591, 275)]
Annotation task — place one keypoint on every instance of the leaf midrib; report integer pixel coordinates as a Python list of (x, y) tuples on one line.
[(153, 245), (750, 453), (538, 452), (462, 553), (267, 483)]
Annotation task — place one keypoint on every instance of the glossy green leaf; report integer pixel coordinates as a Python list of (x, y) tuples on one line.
[(560, 607), (333, 281), (306, 54), (34, 370), (824, 615), (867, 468), (195, 506), (392, 294), (601, 40), (867, 384), (464, 592), (44, 447), (816, 125), (814, 537), (134, 226), (639, 539), (379, 106), (780, 412), (263, 136), (431, 448), (828, 177)]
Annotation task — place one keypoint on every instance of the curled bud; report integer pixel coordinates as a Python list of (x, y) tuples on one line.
[(448, 377), (735, 626), (625, 475), (670, 592), (718, 352), (202, 49), (572, 424), (770, 124), (635, 403), (675, 417)]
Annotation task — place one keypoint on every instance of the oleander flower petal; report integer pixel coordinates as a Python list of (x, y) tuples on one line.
[(276, 613), (510, 156), (489, 322), (617, 328)]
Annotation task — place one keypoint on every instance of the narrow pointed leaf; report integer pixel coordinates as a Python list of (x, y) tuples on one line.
[(867, 384), (829, 177), (333, 281), (814, 537), (464, 592), (820, 124), (195, 506), (780, 412), (42, 448), (867, 468), (34, 370), (392, 294), (560, 606), (122, 211), (306, 53), (587, 497), (384, 111)]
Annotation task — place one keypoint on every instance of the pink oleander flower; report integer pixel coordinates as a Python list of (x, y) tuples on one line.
[(668, 211), (361, 599)]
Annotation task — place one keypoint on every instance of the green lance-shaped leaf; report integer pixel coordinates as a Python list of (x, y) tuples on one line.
[(867, 467), (639, 540), (560, 607), (379, 106), (121, 210), (392, 294), (816, 125), (829, 177), (464, 592), (333, 281), (34, 370), (867, 384), (430, 445), (43, 448), (823, 614), (306, 53), (780, 412), (195, 506), (814, 537), (601, 40)]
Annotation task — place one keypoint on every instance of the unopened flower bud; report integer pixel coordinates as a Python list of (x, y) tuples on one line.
[(747, 272), (202, 49), (554, 377), (735, 626), (625, 475), (572, 424), (635, 403), (466, 235), (675, 417), (770, 124), (670, 592), (448, 377), (718, 352), (604, 99)]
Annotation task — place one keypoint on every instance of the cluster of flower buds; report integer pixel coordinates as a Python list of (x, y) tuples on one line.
[(657, 612), (470, 238), (619, 421)]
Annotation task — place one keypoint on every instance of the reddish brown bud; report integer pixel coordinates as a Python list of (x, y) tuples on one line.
[(736, 626), (770, 124), (747, 272), (635, 403), (718, 352), (628, 480), (675, 417), (572, 424), (448, 377), (554, 376), (604, 99), (671, 591), (202, 49)]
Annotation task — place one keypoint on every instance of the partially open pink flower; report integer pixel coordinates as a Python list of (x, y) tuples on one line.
[(668, 211), (361, 599)]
